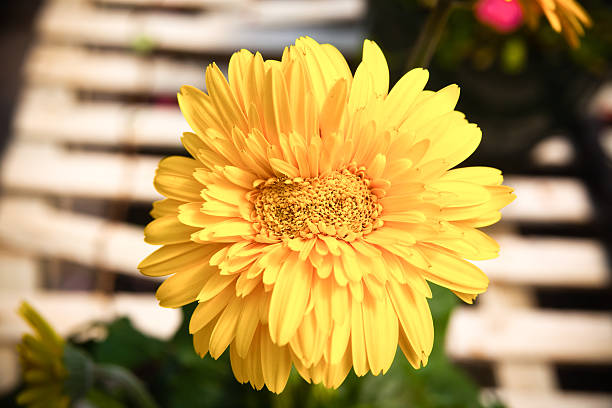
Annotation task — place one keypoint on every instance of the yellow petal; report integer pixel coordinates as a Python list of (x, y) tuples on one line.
[(466, 297), (289, 299), (170, 258), (174, 179), (453, 272), (201, 338), (166, 206), (225, 329), (361, 90), (198, 110), (415, 318), (402, 96), (247, 325), (377, 320), (215, 285), (333, 108), (275, 364), (476, 174), (436, 105), (183, 287), (237, 73), (253, 363), (358, 342), (277, 114), (376, 63), (168, 230), (207, 311), (339, 341), (224, 101), (459, 193)]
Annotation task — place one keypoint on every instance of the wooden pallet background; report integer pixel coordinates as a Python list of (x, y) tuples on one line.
[(96, 114)]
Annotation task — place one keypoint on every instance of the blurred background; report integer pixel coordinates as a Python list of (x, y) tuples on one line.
[(88, 107)]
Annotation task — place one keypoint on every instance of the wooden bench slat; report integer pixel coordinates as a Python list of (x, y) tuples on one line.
[(106, 123), (273, 10), (18, 271), (530, 336), (548, 199), (67, 311), (49, 169), (174, 4), (34, 227), (264, 27), (559, 399), (525, 376), (110, 71), (544, 261), (10, 371)]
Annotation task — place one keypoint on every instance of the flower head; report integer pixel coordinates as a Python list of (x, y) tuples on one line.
[(41, 358), (503, 15), (565, 16), (314, 212)]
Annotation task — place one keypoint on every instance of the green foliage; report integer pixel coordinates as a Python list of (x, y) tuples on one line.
[(99, 398), (126, 346), (514, 55)]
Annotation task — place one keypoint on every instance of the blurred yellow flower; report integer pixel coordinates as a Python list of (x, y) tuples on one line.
[(315, 209), (41, 357), (565, 16)]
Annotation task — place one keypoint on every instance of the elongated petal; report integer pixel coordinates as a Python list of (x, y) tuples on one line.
[(289, 300)]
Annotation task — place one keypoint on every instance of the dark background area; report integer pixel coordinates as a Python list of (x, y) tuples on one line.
[(16, 34)]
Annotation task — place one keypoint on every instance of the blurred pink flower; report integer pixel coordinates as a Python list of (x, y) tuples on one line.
[(502, 15)]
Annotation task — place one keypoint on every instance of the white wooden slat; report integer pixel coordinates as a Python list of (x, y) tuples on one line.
[(69, 311), (548, 199), (600, 105), (254, 27), (18, 271), (304, 11), (558, 399), (9, 368), (531, 336), (110, 71), (53, 170), (32, 226), (99, 123), (555, 151), (544, 261), (270, 10), (500, 297), (174, 4), (525, 375)]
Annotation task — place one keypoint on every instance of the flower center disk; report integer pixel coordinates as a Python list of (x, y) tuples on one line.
[(339, 204)]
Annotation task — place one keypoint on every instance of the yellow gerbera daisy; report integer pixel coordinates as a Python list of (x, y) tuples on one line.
[(316, 208), (41, 358), (565, 16)]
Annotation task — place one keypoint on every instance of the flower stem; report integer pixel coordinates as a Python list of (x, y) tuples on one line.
[(119, 377), (430, 35)]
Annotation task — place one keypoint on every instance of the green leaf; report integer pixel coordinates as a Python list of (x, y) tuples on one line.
[(127, 347)]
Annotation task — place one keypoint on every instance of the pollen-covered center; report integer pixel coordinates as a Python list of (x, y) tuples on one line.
[(340, 204)]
